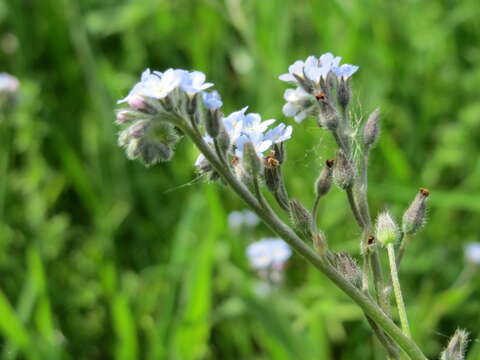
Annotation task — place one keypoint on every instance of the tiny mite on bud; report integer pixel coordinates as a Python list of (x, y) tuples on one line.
[(235, 160), (321, 96), (425, 192), (370, 240), (330, 163), (271, 161)]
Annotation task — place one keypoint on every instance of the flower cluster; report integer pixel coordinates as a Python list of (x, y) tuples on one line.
[(158, 98), (316, 79)]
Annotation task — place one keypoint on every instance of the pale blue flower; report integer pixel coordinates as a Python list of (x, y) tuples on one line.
[(212, 100), (234, 123), (295, 69), (329, 60), (279, 133), (299, 104), (268, 253), (345, 71), (472, 253), (250, 219), (156, 85), (193, 82), (260, 144), (253, 123)]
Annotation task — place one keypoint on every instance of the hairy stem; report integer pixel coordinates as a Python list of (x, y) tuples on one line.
[(404, 239), (371, 309), (397, 290)]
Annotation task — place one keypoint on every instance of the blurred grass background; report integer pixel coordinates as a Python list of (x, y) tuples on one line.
[(101, 258)]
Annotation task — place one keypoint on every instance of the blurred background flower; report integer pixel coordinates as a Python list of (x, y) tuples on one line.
[(102, 258)]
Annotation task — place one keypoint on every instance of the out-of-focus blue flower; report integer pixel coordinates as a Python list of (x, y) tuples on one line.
[(8, 83), (237, 219), (268, 253), (345, 71), (279, 133), (472, 253), (212, 100)]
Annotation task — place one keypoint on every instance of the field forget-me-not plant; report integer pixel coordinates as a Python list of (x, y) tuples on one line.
[(248, 153)]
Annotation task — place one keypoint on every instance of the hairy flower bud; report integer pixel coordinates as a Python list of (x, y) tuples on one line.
[(456, 347), (304, 83), (343, 171), (348, 267), (251, 162), (301, 218), (328, 117), (343, 93), (414, 218), (386, 230), (320, 243), (324, 181), (371, 129), (212, 122), (192, 102)]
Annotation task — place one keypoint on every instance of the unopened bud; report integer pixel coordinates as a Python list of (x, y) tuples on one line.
[(328, 117), (343, 171), (386, 230), (271, 172), (348, 267), (223, 139), (371, 129), (414, 218), (154, 152), (320, 243), (280, 152), (343, 93), (304, 83), (122, 116), (251, 162), (324, 181), (137, 102), (301, 218), (192, 104), (456, 347), (212, 123)]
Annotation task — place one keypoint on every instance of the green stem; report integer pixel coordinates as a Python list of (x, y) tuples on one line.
[(285, 232), (404, 240), (398, 291)]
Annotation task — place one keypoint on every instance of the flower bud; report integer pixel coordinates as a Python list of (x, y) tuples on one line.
[(154, 152), (343, 171), (122, 117), (212, 123), (387, 230), (271, 172), (328, 117), (456, 347), (371, 129), (223, 139), (320, 243), (137, 102), (192, 104), (324, 181), (301, 218), (304, 83), (348, 267), (414, 218), (343, 93), (251, 162)]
